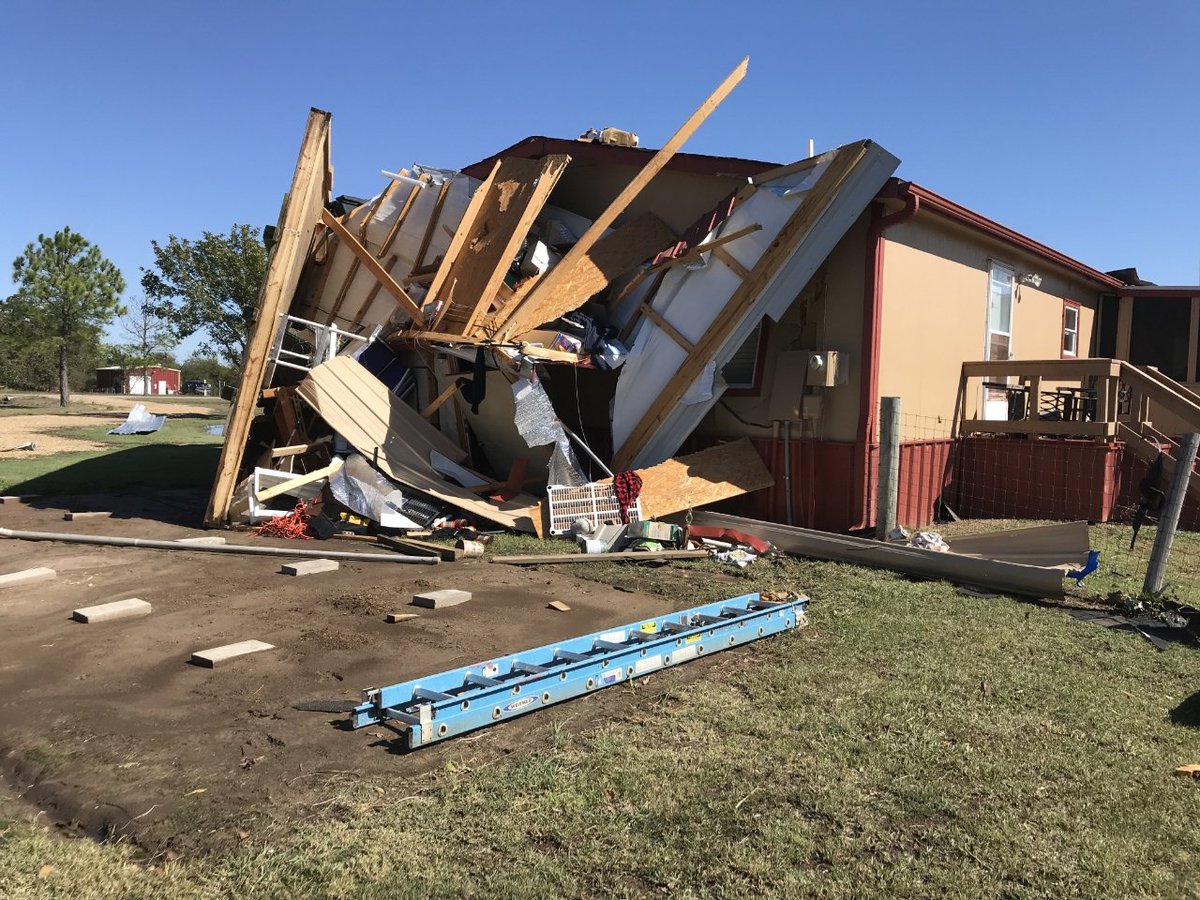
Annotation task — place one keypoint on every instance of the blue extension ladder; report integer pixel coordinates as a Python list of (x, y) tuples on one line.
[(452, 703)]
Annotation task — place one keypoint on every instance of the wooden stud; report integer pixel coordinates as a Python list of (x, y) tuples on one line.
[(310, 190), (288, 486), (443, 191), (671, 331), (475, 272), (441, 398), (379, 272), (362, 236), (531, 312), (726, 257)]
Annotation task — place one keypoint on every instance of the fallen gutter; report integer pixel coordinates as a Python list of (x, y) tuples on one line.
[(995, 575), (149, 544)]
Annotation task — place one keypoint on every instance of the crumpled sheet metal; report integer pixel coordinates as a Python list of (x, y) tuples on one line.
[(140, 421), (538, 426)]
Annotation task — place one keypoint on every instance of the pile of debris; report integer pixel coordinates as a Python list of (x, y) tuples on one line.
[(523, 344)]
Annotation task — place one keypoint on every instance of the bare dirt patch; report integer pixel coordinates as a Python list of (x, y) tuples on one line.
[(107, 727), (42, 430)]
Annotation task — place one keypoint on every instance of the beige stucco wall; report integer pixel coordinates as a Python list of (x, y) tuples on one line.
[(826, 316), (935, 291)]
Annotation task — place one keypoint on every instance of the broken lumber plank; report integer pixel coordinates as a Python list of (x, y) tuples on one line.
[(309, 567), (636, 555), (440, 599), (442, 552), (26, 576), (297, 449), (213, 657), (118, 609), (473, 275), (203, 539), (373, 266), (72, 516), (440, 399), (300, 481), (17, 498), (531, 311), (382, 197), (393, 618), (728, 259), (558, 605)]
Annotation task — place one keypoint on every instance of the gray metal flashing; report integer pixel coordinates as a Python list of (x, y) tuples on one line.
[(996, 575)]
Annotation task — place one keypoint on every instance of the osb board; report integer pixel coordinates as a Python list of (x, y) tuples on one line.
[(394, 437), (717, 473), (612, 256), (311, 187), (514, 198)]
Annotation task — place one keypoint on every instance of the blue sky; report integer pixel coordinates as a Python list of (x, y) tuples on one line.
[(1075, 123)]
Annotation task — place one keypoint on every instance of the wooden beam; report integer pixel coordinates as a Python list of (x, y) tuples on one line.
[(310, 190), (297, 449), (379, 272), (700, 249), (431, 228), (671, 331), (532, 311), (473, 276), (726, 257), (633, 555), (441, 398), (288, 486), (460, 236), (362, 235)]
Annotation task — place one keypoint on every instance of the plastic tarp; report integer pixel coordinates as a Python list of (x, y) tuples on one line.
[(140, 421)]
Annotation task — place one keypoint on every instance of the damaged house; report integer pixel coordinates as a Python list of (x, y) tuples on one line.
[(501, 339)]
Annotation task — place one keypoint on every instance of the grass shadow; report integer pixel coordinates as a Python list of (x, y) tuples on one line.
[(134, 470)]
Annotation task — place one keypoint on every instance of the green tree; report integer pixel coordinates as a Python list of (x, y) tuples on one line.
[(210, 369), (66, 293), (209, 286)]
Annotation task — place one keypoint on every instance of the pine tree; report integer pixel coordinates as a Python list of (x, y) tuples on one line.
[(66, 293)]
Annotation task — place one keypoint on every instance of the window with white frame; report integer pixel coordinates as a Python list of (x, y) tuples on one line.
[(1070, 327)]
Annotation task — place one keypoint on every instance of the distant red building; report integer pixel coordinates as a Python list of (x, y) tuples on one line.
[(148, 380)]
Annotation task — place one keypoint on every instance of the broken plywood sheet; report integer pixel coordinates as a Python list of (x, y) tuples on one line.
[(664, 389), (394, 438), (697, 479), (468, 283), (1063, 543), (612, 256)]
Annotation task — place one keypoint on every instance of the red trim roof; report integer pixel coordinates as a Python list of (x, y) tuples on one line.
[(1155, 291), (931, 202)]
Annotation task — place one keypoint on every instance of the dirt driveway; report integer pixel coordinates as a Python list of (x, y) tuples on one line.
[(108, 726)]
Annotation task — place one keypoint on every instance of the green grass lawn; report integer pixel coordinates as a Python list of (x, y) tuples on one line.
[(179, 455), (910, 742)]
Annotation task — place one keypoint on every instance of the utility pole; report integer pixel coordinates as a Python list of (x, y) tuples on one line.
[(889, 467), (1168, 522)]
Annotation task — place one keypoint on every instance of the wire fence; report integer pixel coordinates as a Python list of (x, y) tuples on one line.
[(983, 483)]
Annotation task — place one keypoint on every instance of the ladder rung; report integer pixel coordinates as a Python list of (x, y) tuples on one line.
[(569, 655), (528, 668), (434, 696), (608, 645), (401, 716), (706, 619), (482, 680), (675, 627), (765, 604), (731, 612), (640, 636)]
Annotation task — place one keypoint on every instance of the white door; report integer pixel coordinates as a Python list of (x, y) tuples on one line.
[(998, 344), (139, 384)]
